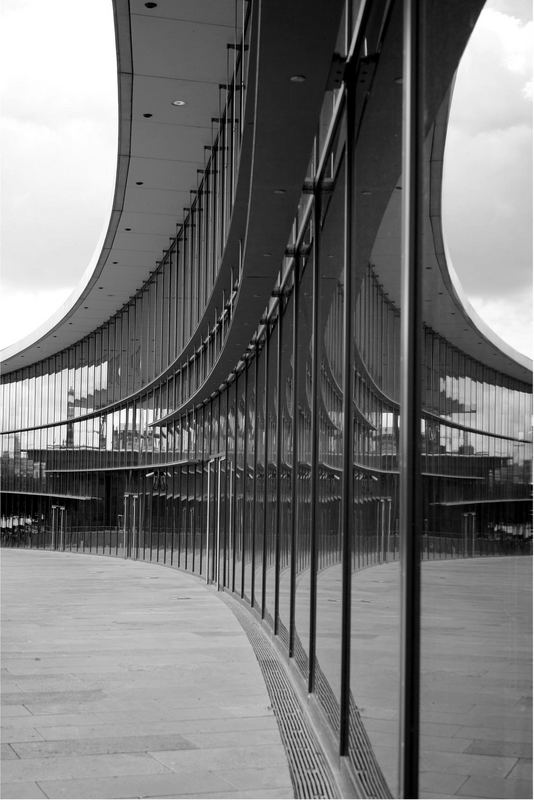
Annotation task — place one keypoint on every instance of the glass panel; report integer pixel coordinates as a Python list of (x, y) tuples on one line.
[(330, 423), (260, 480), (375, 231), (271, 511), (303, 423), (286, 463), (476, 633)]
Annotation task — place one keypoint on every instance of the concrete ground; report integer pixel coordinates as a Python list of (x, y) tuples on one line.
[(126, 679)]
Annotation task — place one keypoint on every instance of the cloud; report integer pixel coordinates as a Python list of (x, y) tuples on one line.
[(59, 138), (487, 186), (23, 310), (510, 318)]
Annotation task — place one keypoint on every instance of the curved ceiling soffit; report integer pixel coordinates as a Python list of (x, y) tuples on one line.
[(202, 41), (292, 41)]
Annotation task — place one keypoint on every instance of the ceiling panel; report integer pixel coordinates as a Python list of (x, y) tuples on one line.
[(222, 12), (161, 174), (175, 48), (171, 142), (156, 95)]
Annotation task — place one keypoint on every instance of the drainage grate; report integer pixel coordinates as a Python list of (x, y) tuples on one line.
[(310, 774)]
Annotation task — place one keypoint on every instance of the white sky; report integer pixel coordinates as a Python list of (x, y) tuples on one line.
[(59, 139)]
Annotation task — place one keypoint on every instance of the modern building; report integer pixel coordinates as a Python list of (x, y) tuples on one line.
[(271, 377)]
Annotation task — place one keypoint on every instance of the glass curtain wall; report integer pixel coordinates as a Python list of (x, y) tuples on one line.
[(284, 486)]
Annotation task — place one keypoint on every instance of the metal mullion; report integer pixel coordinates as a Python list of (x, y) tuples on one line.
[(278, 465), (233, 499), (294, 460), (245, 470), (200, 460), (198, 238), (226, 489), (314, 443), (254, 480), (348, 439), (411, 327), (265, 471)]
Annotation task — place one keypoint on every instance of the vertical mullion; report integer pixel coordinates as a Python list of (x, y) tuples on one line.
[(314, 442), (294, 461), (234, 498), (411, 327), (278, 531), (254, 479), (348, 444), (245, 481), (265, 470)]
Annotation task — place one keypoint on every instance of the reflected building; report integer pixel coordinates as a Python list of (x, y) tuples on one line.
[(231, 391)]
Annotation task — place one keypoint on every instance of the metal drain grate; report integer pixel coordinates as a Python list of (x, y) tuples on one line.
[(310, 774)]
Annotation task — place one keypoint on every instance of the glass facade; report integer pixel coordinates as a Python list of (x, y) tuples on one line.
[(284, 486)]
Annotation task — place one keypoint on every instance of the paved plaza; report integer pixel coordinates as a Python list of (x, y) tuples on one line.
[(126, 679)]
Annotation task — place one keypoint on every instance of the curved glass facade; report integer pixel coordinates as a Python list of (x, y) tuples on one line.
[(284, 485)]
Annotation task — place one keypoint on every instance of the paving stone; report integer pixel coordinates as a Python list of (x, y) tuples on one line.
[(223, 757), (233, 738), (497, 748), (147, 727), (447, 783), (282, 793), (246, 778), (522, 770), (445, 744), (102, 746), (15, 711), (7, 753), (497, 734), (462, 764), (171, 784), (21, 789), (64, 767), (44, 698), (477, 786), (10, 733)]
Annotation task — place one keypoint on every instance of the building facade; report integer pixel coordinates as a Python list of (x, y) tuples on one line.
[(284, 390)]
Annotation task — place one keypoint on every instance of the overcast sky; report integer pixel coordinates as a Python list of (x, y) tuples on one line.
[(59, 139)]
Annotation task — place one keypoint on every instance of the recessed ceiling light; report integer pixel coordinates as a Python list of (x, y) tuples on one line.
[(279, 191), (151, 5), (114, 262), (147, 115), (139, 183), (127, 229), (297, 78), (86, 307), (178, 103), (100, 287)]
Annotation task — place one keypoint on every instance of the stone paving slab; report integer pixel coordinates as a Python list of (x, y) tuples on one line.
[(114, 670)]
